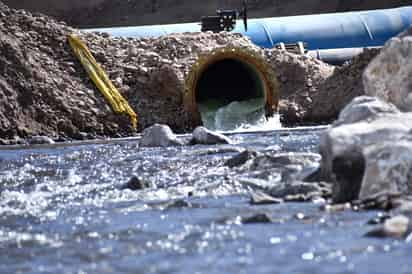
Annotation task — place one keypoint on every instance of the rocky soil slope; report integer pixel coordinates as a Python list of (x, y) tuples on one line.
[(45, 91)]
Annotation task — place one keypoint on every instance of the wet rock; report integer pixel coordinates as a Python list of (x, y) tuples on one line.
[(382, 200), (136, 183), (379, 219), (202, 135), (159, 136), (404, 206), (388, 75), (257, 219), (177, 204), (395, 227), (260, 198), (368, 156), (335, 207), (174, 204), (241, 158), (293, 166), (4, 142), (300, 191), (270, 179), (40, 140)]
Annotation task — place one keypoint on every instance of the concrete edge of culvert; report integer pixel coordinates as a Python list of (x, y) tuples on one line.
[(249, 58)]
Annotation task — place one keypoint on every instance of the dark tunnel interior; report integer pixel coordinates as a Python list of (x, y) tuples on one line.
[(229, 80)]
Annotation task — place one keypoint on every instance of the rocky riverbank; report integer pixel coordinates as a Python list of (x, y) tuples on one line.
[(367, 151)]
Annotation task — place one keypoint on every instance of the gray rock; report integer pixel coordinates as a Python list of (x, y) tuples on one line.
[(136, 183), (260, 198), (202, 135), (363, 108), (388, 168), (159, 136), (300, 191), (405, 207), (388, 76), (368, 156), (241, 158), (381, 218), (40, 140), (293, 166), (178, 204), (382, 200), (396, 227), (257, 219)]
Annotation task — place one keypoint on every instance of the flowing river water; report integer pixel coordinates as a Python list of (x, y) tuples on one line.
[(65, 209)]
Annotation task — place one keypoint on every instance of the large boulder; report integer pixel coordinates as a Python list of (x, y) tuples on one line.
[(389, 75), (367, 151)]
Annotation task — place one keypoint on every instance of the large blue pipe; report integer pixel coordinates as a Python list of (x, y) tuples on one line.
[(323, 31)]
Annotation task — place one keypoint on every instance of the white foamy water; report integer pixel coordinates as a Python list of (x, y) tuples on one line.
[(238, 116)]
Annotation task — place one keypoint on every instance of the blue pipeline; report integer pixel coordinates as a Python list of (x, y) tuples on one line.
[(322, 31)]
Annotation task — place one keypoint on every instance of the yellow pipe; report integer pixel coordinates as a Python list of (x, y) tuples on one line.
[(101, 80)]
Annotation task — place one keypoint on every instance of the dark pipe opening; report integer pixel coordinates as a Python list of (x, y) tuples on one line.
[(229, 80)]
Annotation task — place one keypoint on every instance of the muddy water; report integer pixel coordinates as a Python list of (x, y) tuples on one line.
[(65, 210)]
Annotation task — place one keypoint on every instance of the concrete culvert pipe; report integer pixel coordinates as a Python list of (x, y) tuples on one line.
[(229, 75)]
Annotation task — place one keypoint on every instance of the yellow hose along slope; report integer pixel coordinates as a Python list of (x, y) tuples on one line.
[(101, 80)]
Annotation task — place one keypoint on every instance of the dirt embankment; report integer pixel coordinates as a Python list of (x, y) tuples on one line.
[(94, 13), (45, 91)]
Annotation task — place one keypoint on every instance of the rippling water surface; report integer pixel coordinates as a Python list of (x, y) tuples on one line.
[(65, 209)]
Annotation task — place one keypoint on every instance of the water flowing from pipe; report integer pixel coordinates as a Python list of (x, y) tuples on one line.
[(247, 115)]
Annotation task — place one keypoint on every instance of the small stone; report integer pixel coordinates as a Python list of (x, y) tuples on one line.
[(380, 219), (405, 207), (40, 140), (258, 218), (335, 207), (202, 135), (260, 198), (241, 158), (396, 227), (136, 183), (178, 204)]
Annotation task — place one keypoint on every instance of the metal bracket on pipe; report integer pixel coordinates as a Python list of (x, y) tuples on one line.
[(297, 48)]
